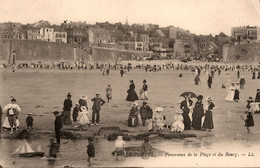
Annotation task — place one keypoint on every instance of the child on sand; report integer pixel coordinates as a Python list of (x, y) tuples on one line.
[(249, 121), (120, 146), (90, 151), (29, 122), (53, 148)]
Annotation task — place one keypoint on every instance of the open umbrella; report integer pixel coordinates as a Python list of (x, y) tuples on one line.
[(193, 95)]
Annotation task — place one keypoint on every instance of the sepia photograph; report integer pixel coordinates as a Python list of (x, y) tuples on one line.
[(129, 83)]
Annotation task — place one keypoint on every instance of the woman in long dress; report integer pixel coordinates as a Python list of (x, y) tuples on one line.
[(82, 117), (231, 93), (198, 113), (133, 116), (178, 125), (185, 106), (236, 95), (132, 95), (208, 121)]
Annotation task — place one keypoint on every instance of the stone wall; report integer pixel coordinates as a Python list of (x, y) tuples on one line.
[(33, 51), (248, 53)]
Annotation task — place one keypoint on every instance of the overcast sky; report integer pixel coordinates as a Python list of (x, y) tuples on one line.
[(198, 16)]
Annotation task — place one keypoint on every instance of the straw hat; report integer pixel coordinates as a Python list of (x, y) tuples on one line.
[(135, 103), (209, 99), (84, 97), (77, 103), (159, 109), (179, 111), (83, 108)]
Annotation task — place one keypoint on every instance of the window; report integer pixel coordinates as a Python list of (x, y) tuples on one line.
[(63, 35), (47, 30), (56, 35)]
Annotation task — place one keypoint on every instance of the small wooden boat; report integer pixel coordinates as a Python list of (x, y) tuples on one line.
[(25, 150)]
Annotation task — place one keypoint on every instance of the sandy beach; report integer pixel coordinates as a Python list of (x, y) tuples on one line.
[(42, 91)]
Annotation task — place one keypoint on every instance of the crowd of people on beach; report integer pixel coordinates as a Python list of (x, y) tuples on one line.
[(189, 115)]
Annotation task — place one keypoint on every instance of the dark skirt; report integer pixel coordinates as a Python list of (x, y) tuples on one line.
[(208, 122), (186, 121), (66, 119), (249, 122), (196, 123), (75, 116), (236, 96), (132, 121), (132, 95)]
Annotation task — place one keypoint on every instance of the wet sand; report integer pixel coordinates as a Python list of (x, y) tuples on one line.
[(43, 91)]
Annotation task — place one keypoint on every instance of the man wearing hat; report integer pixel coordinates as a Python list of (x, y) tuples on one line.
[(58, 125), (97, 103), (67, 110), (12, 111), (145, 112)]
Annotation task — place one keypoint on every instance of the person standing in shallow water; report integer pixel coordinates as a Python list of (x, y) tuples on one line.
[(67, 110), (185, 106), (198, 113)]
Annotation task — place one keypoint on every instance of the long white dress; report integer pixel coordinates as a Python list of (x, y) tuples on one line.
[(83, 118), (231, 93), (178, 125), (6, 124)]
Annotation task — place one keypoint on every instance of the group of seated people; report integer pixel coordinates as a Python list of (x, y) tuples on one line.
[(154, 121)]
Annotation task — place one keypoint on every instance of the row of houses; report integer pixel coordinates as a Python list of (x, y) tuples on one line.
[(146, 37)]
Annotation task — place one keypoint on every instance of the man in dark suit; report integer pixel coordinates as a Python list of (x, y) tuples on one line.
[(146, 112), (97, 103), (58, 126)]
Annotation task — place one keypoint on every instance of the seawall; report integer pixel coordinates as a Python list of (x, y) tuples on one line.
[(246, 53), (33, 51)]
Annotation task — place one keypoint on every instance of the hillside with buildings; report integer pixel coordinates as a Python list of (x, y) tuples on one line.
[(163, 42)]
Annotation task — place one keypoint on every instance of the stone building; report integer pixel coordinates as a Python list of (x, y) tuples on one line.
[(10, 30), (60, 36), (184, 42), (33, 33), (98, 35), (244, 34)]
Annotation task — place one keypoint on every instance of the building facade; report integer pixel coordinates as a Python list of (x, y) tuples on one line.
[(10, 30), (244, 34), (184, 42), (60, 36), (98, 35)]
